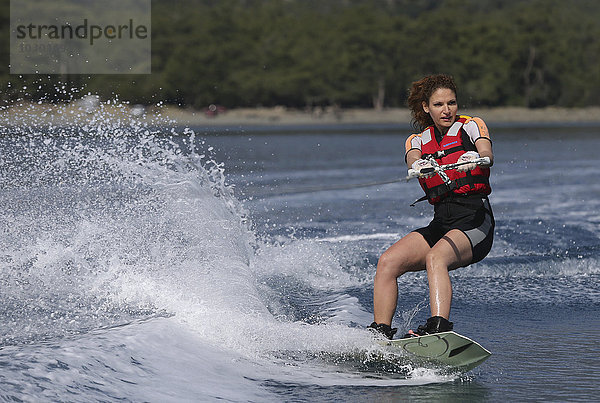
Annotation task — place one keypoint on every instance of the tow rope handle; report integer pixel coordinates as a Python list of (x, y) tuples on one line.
[(440, 169)]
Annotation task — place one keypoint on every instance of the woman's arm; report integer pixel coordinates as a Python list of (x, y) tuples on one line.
[(412, 156), (484, 148)]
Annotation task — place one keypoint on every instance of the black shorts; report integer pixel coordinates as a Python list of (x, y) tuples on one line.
[(470, 214)]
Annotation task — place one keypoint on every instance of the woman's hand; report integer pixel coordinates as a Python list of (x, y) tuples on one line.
[(422, 164), (466, 157)]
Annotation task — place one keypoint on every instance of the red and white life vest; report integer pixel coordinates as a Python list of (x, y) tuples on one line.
[(454, 144)]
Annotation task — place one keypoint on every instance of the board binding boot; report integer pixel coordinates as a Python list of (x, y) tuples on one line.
[(382, 329), (435, 324)]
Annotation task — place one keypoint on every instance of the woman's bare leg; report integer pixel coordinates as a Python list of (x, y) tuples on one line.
[(450, 252), (408, 254)]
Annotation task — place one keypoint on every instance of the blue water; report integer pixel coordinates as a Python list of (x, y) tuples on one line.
[(145, 262)]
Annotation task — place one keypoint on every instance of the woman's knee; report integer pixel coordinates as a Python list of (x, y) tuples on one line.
[(449, 253), (405, 255), (433, 257), (390, 265), (434, 260)]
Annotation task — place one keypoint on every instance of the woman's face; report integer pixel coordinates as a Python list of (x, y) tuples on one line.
[(442, 107)]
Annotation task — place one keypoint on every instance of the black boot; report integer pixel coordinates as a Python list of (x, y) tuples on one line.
[(435, 324), (382, 328)]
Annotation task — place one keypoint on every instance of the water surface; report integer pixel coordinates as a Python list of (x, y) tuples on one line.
[(163, 264)]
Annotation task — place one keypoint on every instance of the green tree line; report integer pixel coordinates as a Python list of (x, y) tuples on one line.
[(349, 53)]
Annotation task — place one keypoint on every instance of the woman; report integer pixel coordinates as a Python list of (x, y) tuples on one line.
[(462, 228)]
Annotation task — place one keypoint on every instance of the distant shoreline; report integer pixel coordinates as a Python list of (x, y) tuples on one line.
[(392, 116), (240, 118)]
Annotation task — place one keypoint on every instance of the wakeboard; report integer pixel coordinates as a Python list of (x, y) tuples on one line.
[(446, 348)]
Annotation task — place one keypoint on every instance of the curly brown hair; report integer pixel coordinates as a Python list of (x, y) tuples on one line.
[(421, 91)]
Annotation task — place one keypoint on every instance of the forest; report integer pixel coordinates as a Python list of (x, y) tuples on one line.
[(348, 53)]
